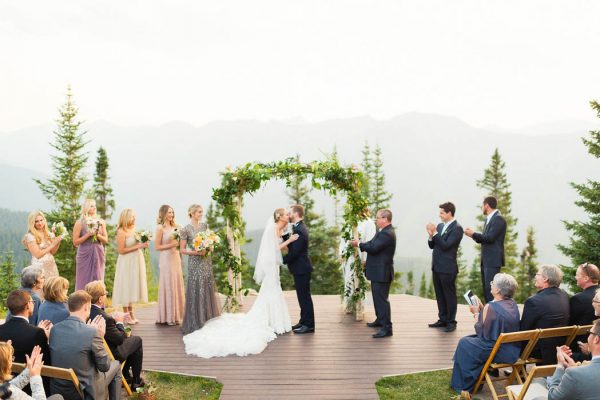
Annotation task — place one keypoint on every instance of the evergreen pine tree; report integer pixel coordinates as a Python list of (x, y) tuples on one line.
[(527, 269), (430, 290), (462, 279), (495, 183), (367, 167), (66, 186), (379, 196), (584, 244), (410, 282), (8, 278), (423, 285), (474, 280)]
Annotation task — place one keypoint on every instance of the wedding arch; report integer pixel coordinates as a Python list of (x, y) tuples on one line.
[(326, 175)]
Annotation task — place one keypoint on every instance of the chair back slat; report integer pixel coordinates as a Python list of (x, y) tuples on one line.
[(66, 374)]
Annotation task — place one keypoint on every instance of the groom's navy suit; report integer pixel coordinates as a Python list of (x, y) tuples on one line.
[(299, 265), (492, 250), (380, 271)]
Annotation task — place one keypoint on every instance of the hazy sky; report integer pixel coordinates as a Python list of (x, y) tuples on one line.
[(506, 63)]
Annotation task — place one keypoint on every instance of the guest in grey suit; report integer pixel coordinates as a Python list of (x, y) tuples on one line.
[(492, 244), (74, 344), (572, 382)]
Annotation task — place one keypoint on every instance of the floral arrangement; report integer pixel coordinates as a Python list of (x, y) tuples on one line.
[(93, 224), (176, 235), (206, 240), (146, 391), (59, 229), (143, 236)]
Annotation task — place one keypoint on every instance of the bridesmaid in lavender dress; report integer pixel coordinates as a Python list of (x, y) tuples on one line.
[(170, 284), (41, 244), (89, 236)]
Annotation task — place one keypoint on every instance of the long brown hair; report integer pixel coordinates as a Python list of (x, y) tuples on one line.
[(162, 215)]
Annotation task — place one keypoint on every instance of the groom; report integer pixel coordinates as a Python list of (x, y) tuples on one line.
[(299, 265)]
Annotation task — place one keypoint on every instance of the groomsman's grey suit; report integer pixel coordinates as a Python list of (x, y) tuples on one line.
[(492, 250), (575, 382), (73, 344)]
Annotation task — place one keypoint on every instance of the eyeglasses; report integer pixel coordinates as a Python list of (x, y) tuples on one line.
[(592, 333)]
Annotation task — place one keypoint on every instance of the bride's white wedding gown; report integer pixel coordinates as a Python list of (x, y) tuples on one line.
[(242, 334)]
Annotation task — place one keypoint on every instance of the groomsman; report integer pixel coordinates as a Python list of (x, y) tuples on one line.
[(492, 243), (380, 270), (444, 241)]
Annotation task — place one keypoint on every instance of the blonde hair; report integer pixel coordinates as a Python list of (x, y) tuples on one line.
[(6, 355), (55, 289), (125, 218), (95, 289), (192, 209), (87, 204), (38, 235), (278, 213), (162, 215)]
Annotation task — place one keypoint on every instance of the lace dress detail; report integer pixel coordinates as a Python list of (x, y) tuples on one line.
[(46, 262)]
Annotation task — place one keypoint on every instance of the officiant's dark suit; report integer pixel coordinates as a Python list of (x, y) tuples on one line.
[(492, 245), (444, 269), (380, 271), (300, 267)]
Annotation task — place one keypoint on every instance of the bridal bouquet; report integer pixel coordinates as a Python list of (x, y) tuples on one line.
[(143, 236), (176, 235), (92, 224), (59, 229), (206, 241)]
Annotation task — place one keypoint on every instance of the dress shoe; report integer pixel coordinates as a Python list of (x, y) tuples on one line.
[(465, 395), (382, 333), (450, 328), (304, 329), (438, 324), (298, 325), (374, 324)]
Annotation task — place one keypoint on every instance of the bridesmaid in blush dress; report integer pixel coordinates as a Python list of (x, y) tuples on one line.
[(89, 236), (41, 244), (130, 284), (170, 284)]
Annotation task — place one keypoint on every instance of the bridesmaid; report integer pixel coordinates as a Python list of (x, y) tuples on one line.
[(170, 284), (41, 244), (90, 241), (201, 293), (130, 276)]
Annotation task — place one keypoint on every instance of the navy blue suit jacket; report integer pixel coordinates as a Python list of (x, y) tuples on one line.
[(297, 257), (492, 242), (445, 248), (380, 255)]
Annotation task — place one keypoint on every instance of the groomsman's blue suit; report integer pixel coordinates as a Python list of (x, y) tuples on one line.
[(492, 250), (299, 265), (444, 267)]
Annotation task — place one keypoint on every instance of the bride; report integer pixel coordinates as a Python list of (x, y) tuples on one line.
[(244, 334)]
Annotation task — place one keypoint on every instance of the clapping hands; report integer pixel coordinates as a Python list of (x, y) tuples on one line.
[(430, 228), (563, 355), (35, 361), (99, 323), (46, 326)]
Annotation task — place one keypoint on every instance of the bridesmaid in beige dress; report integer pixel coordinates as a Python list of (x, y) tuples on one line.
[(170, 285), (130, 284), (42, 244)]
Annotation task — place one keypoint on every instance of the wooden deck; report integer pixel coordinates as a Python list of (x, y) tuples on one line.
[(340, 361)]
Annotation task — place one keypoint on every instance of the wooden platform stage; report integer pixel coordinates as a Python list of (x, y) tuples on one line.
[(339, 361)]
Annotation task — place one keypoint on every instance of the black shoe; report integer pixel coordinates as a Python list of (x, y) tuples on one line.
[(438, 324), (374, 324), (450, 328), (298, 325), (304, 329), (382, 333)]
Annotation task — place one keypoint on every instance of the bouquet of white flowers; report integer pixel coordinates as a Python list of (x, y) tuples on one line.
[(176, 235), (93, 224), (59, 229), (143, 236)]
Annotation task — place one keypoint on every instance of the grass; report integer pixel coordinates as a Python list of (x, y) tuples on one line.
[(419, 386), (182, 387)]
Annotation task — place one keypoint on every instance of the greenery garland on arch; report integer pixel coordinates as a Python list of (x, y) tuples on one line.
[(326, 175)]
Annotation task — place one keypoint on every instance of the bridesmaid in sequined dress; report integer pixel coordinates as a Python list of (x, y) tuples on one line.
[(41, 244), (90, 243), (201, 294), (170, 284)]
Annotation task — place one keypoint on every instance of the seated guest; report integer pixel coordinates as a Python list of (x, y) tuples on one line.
[(75, 344), (23, 335), (55, 308), (583, 351), (501, 315), (30, 375), (582, 310), (548, 308), (128, 349), (32, 281), (573, 382)]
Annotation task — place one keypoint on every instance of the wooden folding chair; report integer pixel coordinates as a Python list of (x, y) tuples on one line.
[(568, 332), (531, 389), (123, 380), (580, 331), (489, 366), (66, 374)]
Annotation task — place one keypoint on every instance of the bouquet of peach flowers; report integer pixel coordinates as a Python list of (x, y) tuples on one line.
[(206, 241)]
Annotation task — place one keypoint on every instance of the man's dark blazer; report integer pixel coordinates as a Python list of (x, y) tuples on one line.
[(582, 310), (24, 338), (548, 308), (445, 248), (380, 255), (297, 257), (115, 334), (492, 242)]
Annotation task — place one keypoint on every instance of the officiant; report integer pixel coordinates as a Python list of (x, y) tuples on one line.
[(444, 241)]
